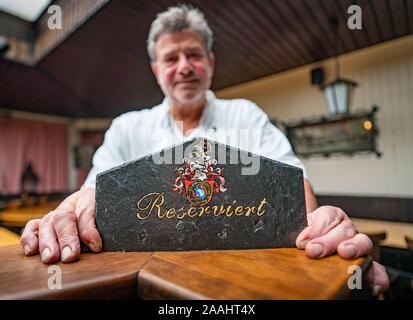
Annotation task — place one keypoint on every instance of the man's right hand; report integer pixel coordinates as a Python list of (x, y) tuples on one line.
[(58, 233)]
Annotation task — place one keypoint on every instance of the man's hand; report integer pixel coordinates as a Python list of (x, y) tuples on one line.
[(330, 230), (58, 233)]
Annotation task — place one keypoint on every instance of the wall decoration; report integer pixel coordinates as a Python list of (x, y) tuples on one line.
[(344, 133)]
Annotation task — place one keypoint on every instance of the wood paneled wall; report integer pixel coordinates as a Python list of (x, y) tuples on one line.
[(382, 208)]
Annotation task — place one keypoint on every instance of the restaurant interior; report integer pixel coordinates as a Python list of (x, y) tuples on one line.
[(335, 76)]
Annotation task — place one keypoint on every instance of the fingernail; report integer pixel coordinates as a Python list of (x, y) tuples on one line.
[(376, 290), (45, 254), (26, 249), (351, 250), (94, 247), (303, 243), (317, 249), (66, 253)]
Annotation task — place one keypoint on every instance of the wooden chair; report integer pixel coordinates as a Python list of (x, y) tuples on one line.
[(13, 204), (409, 242), (8, 238), (376, 237)]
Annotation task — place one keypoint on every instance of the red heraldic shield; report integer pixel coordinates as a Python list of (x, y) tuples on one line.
[(198, 192)]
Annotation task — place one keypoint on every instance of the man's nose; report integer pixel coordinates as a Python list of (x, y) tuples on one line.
[(184, 65)]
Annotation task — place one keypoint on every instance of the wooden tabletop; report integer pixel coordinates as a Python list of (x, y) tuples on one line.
[(8, 238), (245, 274), (104, 275), (18, 217), (237, 274)]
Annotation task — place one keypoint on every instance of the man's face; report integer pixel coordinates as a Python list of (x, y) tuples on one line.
[(183, 68)]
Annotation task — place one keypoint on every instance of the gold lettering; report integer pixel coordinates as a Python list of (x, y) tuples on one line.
[(154, 201), (183, 213), (172, 211), (250, 209), (260, 206), (228, 209), (201, 209), (191, 209), (139, 207), (159, 196), (238, 209), (221, 210), (215, 208)]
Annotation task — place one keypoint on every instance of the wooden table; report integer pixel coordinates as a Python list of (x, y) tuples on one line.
[(237, 274), (8, 238), (18, 217), (396, 232)]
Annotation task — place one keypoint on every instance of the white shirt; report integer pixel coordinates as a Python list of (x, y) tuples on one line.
[(239, 123)]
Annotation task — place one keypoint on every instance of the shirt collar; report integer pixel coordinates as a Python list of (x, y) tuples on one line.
[(206, 113), (210, 96)]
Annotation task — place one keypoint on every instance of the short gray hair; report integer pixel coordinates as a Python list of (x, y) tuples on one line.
[(175, 19)]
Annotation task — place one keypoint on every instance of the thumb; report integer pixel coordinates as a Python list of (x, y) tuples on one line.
[(85, 212), (303, 238)]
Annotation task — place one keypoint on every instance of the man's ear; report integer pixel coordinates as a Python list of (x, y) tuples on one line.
[(212, 62), (155, 71)]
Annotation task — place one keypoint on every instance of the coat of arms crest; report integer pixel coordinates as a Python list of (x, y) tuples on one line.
[(199, 177)]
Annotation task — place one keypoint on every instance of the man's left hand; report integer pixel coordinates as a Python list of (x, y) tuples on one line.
[(330, 230)]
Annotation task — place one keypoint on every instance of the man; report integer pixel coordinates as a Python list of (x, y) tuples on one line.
[(179, 45)]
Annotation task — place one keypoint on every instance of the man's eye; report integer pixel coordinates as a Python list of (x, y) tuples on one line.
[(170, 59), (194, 55)]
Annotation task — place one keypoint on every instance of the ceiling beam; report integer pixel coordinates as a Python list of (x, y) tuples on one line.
[(74, 14), (16, 27)]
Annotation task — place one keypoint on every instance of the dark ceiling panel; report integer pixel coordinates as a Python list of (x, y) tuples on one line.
[(231, 26), (102, 69), (401, 22), (285, 29), (309, 22), (237, 15), (280, 50), (385, 19), (108, 63), (292, 21), (15, 27), (25, 88), (361, 38), (334, 10), (369, 22), (409, 13)]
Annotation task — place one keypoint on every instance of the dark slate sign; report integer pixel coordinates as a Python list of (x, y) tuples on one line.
[(200, 195)]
